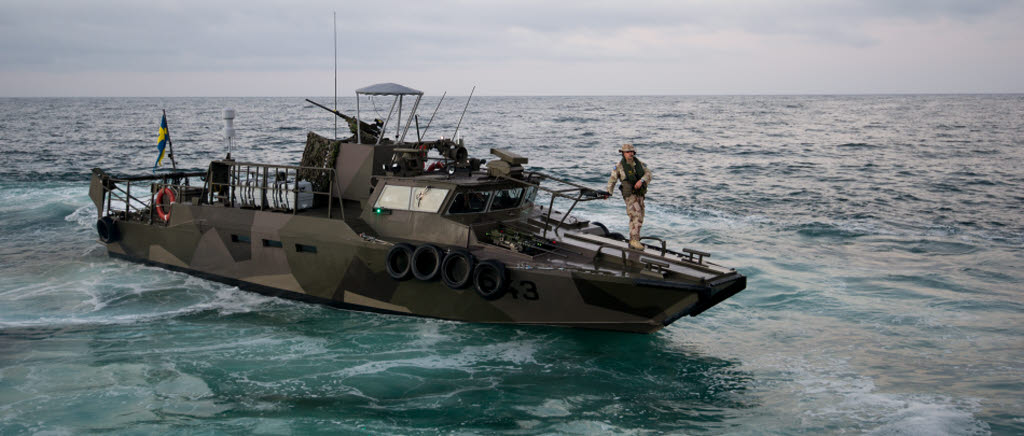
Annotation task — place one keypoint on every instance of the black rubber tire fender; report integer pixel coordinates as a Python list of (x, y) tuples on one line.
[(399, 261), (426, 262), (106, 227), (490, 279), (457, 269)]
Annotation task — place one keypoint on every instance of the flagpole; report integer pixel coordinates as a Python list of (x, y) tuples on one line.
[(335, 74), (170, 145)]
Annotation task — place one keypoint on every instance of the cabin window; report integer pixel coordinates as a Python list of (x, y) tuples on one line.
[(240, 238), (507, 198), (272, 243), (394, 197), (303, 248), (469, 202), (428, 199), (531, 194)]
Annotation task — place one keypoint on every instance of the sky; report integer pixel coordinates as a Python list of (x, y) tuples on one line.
[(522, 47)]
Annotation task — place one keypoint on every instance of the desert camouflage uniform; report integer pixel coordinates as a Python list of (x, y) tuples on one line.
[(634, 202)]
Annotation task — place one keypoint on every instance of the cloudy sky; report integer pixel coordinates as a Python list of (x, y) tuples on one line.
[(524, 47)]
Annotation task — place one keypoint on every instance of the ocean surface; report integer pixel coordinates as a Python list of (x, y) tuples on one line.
[(883, 238)]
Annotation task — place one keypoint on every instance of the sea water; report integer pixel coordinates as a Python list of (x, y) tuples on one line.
[(883, 238)]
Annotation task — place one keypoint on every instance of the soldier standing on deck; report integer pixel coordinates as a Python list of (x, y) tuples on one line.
[(635, 177)]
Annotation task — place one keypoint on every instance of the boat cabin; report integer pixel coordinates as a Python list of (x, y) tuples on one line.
[(443, 209)]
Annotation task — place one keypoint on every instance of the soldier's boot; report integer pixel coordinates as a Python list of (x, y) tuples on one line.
[(636, 244)]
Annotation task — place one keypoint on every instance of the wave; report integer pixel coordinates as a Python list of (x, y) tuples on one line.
[(575, 120), (105, 308), (829, 230), (857, 145), (674, 115), (844, 400)]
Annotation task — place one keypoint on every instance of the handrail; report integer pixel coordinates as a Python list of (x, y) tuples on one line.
[(662, 267), (582, 194), (248, 178), (664, 247), (120, 189), (700, 255), (676, 258), (162, 176), (601, 247), (267, 177)]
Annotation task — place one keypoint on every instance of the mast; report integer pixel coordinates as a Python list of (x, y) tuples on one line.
[(335, 74)]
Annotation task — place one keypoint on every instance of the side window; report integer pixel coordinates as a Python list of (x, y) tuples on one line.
[(428, 199), (507, 198), (469, 202), (531, 194), (394, 197)]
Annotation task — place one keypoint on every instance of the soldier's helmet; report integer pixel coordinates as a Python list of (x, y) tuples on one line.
[(627, 147)]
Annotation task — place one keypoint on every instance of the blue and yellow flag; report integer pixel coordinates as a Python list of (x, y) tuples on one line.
[(162, 140)]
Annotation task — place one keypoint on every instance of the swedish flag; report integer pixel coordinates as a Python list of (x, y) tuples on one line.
[(162, 140)]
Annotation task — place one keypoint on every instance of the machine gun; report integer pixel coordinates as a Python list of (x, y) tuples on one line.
[(370, 131), (411, 161)]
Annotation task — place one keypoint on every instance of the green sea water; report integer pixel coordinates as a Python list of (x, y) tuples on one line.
[(882, 237)]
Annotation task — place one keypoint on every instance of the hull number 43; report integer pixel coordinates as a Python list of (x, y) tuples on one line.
[(524, 288)]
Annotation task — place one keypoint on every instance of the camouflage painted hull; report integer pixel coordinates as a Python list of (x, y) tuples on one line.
[(262, 251)]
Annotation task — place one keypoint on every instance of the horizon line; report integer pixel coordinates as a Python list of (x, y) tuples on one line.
[(824, 94)]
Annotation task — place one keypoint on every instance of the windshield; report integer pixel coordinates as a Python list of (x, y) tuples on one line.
[(419, 199), (507, 198), (428, 199), (469, 202)]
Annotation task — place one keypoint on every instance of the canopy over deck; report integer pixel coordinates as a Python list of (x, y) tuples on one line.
[(388, 89), (399, 92)]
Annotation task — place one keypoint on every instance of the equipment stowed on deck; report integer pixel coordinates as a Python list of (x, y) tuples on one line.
[(254, 188)]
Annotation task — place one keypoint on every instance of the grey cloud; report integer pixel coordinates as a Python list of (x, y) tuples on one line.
[(518, 44), (214, 36)]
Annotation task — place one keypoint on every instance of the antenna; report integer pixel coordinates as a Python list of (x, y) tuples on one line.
[(432, 115), (335, 74), (463, 112)]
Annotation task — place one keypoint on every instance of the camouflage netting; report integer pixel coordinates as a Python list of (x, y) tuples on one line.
[(320, 153)]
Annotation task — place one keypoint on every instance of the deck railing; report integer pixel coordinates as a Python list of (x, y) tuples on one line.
[(132, 198), (279, 188), (575, 192)]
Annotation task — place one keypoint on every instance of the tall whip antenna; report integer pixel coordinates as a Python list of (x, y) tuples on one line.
[(335, 74), (432, 115), (463, 112)]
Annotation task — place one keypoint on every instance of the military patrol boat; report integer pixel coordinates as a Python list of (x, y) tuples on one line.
[(376, 224)]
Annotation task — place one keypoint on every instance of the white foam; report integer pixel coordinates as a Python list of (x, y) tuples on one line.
[(141, 392), (912, 418), (514, 353), (225, 301), (57, 431), (31, 196), (548, 409), (84, 216), (427, 336), (587, 427), (842, 398)]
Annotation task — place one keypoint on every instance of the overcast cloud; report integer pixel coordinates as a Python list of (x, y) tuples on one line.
[(193, 48)]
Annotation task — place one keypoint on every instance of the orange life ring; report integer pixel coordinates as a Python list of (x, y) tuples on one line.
[(166, 216)]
